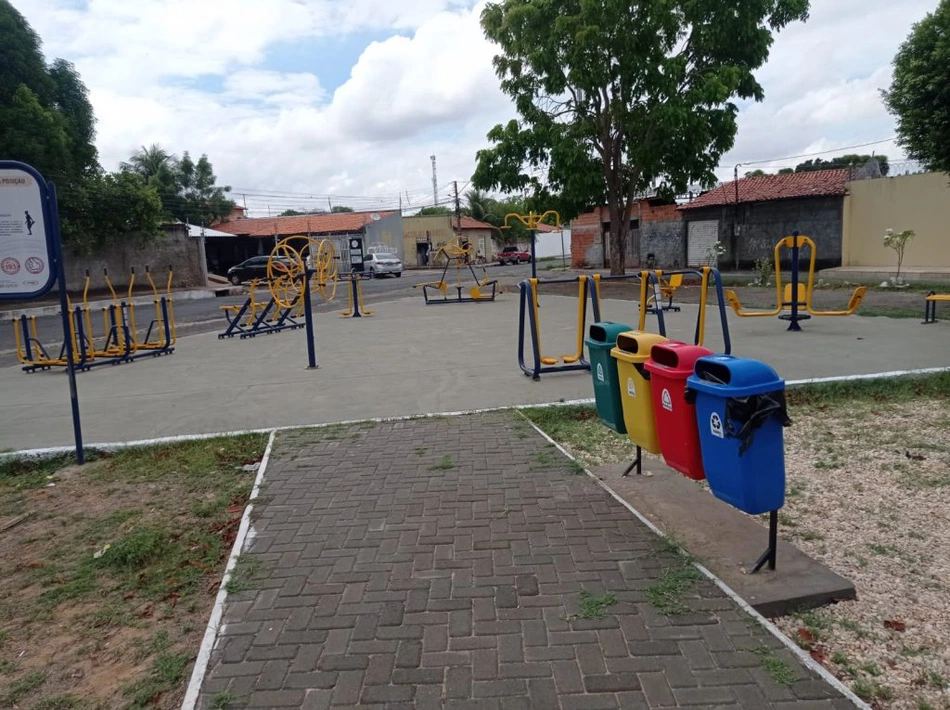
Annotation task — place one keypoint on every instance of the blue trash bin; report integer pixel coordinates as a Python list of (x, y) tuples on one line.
[(740, 410)]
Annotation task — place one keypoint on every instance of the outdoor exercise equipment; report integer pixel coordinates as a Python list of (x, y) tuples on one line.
[(531, 221), (668, 289), (796, 296), (528, 316), (293, 272), (120, 341), (357, 307), (930, 306), (460, 255)]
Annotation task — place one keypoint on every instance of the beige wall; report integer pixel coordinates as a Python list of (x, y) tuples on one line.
[(918, 202), (482, 239), (437, 227)]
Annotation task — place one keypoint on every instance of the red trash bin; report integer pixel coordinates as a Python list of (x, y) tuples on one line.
[(670, 364)]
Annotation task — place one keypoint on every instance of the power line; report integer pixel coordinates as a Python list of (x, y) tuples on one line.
[(822, 152)]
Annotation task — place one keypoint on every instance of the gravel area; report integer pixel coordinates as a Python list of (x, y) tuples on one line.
[(869, 496)]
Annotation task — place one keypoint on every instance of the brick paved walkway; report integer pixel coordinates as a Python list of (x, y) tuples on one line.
[(441, 563)]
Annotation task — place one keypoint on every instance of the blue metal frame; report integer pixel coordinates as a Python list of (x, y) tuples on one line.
[(538, 369)]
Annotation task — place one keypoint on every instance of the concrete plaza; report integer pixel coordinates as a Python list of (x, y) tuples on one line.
[(408, 359)]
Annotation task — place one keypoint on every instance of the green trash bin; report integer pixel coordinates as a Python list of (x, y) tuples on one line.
[(600, 340)]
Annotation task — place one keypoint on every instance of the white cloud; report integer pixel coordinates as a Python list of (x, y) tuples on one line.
[(429, 89)]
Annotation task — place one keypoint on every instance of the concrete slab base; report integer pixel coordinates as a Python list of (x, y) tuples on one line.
[(727, 541)]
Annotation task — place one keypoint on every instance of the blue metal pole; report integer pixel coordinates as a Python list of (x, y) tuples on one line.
[(793, 324), (308, 319), (64, 310)]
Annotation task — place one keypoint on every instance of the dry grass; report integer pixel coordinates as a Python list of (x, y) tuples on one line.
[(108, 571), (869, 496)]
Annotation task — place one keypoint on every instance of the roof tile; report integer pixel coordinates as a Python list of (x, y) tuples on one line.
[(300, 224), (764, 188)]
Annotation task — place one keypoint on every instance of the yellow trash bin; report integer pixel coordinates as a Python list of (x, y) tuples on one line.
[(632, 350)]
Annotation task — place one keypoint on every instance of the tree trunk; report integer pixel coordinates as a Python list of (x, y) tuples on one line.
[(618, 239)]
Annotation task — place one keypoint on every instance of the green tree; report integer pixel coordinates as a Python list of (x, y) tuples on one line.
[(199, 200), (47, 121), (615, 96), (756, 173), (340, 208), (434, 210), (478, 205), (852, 160), (919, 96), (109, 207), (786, 171)]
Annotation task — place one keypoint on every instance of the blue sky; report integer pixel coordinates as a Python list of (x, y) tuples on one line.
[(351, 97)]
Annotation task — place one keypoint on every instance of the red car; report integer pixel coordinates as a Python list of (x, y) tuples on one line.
[(512, 255)]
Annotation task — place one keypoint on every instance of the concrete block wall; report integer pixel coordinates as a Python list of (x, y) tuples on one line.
[(186, 255), (761, 225)]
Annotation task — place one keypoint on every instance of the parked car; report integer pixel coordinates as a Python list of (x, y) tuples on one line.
[(379, 264), (512, 255), (253, 268)]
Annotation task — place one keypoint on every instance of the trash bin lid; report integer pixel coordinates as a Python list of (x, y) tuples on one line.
[(605, 332), (634, 345), (675, 359), (730, 376)]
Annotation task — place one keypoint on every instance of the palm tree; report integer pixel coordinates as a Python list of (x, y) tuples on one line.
[(479, 204), (150, 162)]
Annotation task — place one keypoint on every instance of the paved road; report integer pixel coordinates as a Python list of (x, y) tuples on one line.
[(451, 572), (204, 315)]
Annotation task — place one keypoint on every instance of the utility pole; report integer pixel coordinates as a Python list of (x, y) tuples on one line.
[(458, 207), (435, 184)]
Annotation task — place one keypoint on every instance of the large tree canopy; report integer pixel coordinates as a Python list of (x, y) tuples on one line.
[(47, 121), (187, 189), (615, 96), (920, 93)]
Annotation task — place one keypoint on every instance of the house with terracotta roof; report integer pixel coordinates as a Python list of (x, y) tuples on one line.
[(257, 236), (750, 215)]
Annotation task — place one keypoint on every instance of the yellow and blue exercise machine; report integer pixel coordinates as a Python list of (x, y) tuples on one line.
[(796, 296), (120, 342), (588, 286), (461, 255)]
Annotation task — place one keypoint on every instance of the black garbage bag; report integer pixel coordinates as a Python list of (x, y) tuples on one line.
[(744, 415)]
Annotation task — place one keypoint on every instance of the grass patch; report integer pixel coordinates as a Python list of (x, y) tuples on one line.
[(221, 700), (246, 570), (932, 679), (25, 685), (870, 690), (578, 428), (419, 450), (667, 593), (445, 463), (593, 607), (130, 548), (896, 389), (779, 669), (167, 670)]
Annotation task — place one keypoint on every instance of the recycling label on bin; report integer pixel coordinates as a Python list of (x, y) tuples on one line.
[(600, 372), (667, 400), (631, 389), (715, 425)]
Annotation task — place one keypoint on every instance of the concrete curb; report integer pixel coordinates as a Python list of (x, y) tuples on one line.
[(53, 309), (217, 611)]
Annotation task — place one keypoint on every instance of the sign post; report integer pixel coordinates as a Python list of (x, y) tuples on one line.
[(31, 255)]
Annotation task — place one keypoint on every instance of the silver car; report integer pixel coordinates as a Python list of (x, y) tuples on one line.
[(379, 264)]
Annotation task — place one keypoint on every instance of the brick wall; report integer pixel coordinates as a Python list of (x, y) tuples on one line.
[(585, 240)]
